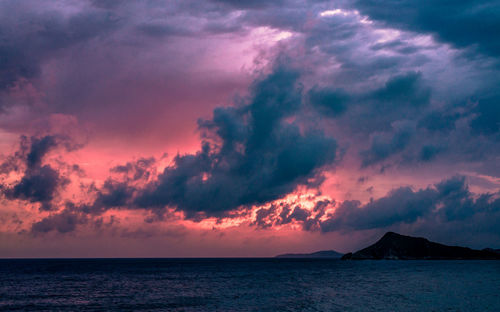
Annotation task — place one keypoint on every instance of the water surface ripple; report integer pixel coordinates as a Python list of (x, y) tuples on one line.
[(248, 285)]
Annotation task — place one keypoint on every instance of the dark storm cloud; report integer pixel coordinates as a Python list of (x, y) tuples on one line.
[(398, 45), (255, 156), (400, 205), (282, 214), (287, 213), (263, 217), (384, 145), (31, 36), (14, 65), (429, 152), (299, 214), (113, 194), (39, 147), (290, 213), (162, 30), (487, 119), (356, 47), (313, 223), (467, 23), (39, 183), (257, 4), (63, 222), (402, 90), (446, 206), (412, 91), (107, 4), (402, 96), (139, 169), (388, 108), (16, 161), (383, 114), (449, 201), (439, 121), (329, 102), (222, 28)]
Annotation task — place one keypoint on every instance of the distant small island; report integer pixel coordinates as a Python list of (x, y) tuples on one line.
[(323, 254), (401, 247)]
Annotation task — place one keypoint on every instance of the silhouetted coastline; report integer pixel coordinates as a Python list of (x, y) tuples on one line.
[(400, 247), (323, 254)]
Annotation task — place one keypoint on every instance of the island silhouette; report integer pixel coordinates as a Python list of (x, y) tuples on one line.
[(401, 247), (322, 254), (394, 246)]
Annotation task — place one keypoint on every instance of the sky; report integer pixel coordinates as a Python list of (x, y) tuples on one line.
[(225, 128)]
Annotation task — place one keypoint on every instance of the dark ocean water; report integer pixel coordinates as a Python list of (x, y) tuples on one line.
[(248, 285)]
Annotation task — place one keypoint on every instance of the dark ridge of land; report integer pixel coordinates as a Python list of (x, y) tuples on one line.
[(324, 254), (401, 247), (492, 250)]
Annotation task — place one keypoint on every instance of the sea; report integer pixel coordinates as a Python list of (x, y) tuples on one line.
[(263, 284)]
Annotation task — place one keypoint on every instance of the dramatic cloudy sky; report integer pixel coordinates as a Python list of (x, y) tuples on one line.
[(246, 128)]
